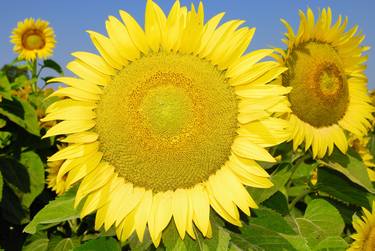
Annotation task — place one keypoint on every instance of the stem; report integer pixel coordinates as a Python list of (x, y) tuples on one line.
[(34, 75), (297, 160), (298, 198)]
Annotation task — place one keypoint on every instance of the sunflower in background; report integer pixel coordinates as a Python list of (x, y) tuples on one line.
[(326, 70), (57, 186), (168, 121), (33, 39), (364, 238), (359, 144)]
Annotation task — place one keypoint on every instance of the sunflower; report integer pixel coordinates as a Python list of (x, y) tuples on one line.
[(168, 121), (326, 70), (360, 145), (33, 39), (364, 239), (52, 183)]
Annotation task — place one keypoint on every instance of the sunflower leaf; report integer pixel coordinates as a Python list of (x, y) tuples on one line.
[(49, 63), (21, 113), (35, 168), (339, 186), (60, 209), (279, 178), (351, 167), (103, 243)]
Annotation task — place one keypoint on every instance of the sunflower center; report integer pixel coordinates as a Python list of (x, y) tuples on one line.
[(320, 91), (369, 243), (167, 121), (166, 109), (33, 40)]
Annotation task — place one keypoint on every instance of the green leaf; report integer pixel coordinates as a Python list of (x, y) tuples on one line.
[(264, 232), (1, 186), (136, 245), (339, 186), (272, 220), (21, 113), (279, 178), (326, 216), (11, 208), (60, 209), (37, 245), (263, 239), (66, 244), (35, 168), (15, 173), (278, 202), (49, 63), (332, 243), (2, 123), (104, 243), (5, 89), (5, 138), (321, 220), (353, 168), (219, 241)]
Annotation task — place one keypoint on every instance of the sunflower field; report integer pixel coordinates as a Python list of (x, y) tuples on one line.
[(175, 136)]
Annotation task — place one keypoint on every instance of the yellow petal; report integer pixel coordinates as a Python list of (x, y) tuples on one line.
[(107, 49), (95, 180), (136, 33), (201, 207), (120, 38), (99, 197), (80, 84), (142, 213), (70, 126), (74, 151), (95, 61), (75, 94), (243, 147), (133, 198), (86, 72), (180, 210), (81, 137), (81, 171), (71, 113), (155, 24)]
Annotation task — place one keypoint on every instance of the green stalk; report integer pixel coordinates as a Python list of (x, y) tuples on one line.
[(34, 75)]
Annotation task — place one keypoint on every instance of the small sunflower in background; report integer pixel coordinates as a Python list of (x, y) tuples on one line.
[(168, 121), (53, 169), (326, 70), (364, 238), (359, 144), (33, 39)]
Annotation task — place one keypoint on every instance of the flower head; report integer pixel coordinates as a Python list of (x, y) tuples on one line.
[(168, 121), (326, 70), (33, 39)]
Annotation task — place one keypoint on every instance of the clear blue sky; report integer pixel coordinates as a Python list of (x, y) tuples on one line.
[(70, 19)]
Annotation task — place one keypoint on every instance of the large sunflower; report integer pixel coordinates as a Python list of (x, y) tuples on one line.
[(32, 39), (168, 121), (364, 238), (326, 70)]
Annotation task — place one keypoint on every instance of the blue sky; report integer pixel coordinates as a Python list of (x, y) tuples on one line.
[(71, 18)]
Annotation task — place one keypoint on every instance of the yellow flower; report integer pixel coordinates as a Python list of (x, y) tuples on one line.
[(364, 239), (360, 145), (326, 70), (52, 170), (168, 121), (33, 39)]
